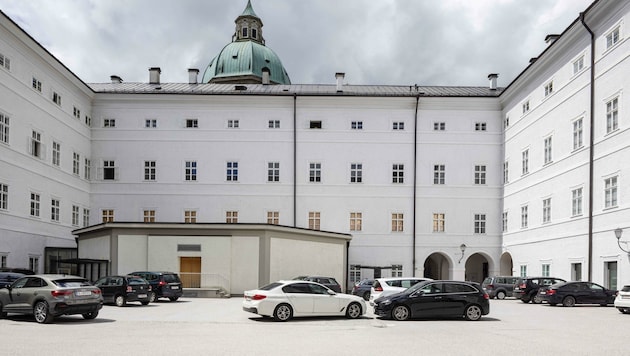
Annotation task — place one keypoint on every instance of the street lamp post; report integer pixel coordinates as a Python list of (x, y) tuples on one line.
[(462, 247), (618, 233)]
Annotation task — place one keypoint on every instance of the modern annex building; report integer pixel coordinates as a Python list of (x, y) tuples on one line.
[(444, 182)]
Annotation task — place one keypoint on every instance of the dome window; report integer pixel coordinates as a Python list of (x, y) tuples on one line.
[(254, 33), (245, 32)]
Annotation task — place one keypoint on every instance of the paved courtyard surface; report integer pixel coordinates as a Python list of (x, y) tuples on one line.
[(194, 326)]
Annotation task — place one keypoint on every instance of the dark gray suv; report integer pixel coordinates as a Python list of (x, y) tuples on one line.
[(163, 285), (499, 286)]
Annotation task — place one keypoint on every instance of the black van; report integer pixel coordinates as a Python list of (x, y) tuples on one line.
[(163, 284)]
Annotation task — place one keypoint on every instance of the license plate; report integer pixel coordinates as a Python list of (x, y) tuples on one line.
[(543, 293), (174, 287), (83, 293), (142, 295), (625, 297)]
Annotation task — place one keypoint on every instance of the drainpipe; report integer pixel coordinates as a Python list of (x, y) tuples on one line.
[(591, 150), (294, 160), (415, 173)]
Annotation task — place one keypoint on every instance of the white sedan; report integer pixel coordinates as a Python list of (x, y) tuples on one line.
[(284, 300), (622, 301)]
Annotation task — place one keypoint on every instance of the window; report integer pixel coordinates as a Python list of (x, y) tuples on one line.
[(480, 126), (525, 107), (578, 65), (5, 62), (504, 221), (356, 173), (547, 150), (578, 134), (192, 123), (88, 120), (438, 222), (523, 270), (33, 264), (398, 125), (54, 210), (506, 172), (274, 124), (397, 271), (107, 215), (87, 171), (109, 170), (612, 114), (37, 85), (149, 170), (4, 196), (56, 153), (3, 260), (546, 269), (576, 271), (232, 171), (356, 125), (313, 220), (612, 38), (439, 173), (439, 126), (273, 217), (75, 215), (148, 216), (35, 147), (273, 171), (231, 217), (315, 172), (244, 30), (315, 124), (398, 173), (254, 33), (233, 124), (355, 274), (35, 204), (109, 122), (86, 217), (150, 123), (480, 174), (506, 122), (576, 202), (610, 192), (548, 89), (397, 222), (546, 210), (190, 170), (356, 221), (480, 224), (190, 216), (76, 112), (524, 216), (76, 161), (4, 128), (56, 98), (525, 161)]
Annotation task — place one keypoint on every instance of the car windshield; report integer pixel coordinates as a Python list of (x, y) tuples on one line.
[(75, 282), (417, 286)]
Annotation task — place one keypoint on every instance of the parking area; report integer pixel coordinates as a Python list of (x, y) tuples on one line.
[(198, 326)]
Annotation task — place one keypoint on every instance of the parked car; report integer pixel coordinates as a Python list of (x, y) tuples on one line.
[(6, 278), (391, 285), (122, 289), (17, 270), (284, 300), (571, 293), (526, 288), (622, 301), (47, 296), (499, 287), (363, 288), (163, 285), (329, 282), (430, 299)]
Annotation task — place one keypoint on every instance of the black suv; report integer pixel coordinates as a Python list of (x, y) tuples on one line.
[(122, 289), (526, 288), (163, 284)]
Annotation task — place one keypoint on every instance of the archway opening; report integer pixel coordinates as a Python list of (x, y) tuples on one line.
[(437, 266), (506, 267), (477, 268)]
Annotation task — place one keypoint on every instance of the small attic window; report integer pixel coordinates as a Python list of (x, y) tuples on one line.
[(315, 124), (244, 31), (254, 33)]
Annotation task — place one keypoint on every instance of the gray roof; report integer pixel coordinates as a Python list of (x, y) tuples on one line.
[(299, 89)]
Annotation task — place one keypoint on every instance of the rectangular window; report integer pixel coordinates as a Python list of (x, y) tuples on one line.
[(87, 171), (86, 217), (439, 174), (439, 126), (546, 270), (576, 271), (190, 216), (35, 201), (3, 260), (397, 271), (356, 221), (232, 171), (109, 170), (75, 215), (76, 112), (107, 215), (148, 216), (548, 89), (150, 123), (315, 124), (54, 210), (356, 173), (273, 217), (524, 217), (313, 220), (547, 149), (192, 123), (504, 221), (612, 38), (506, 172), (576, 202), (233, 124), (109, 122), (4, 128), (274, 124), (546, 210), (523, 270), (88, 120), (480, 174), (56, 98), (398, 173), (506, 122), (480, 126), (33, 264), (355, 274), (37, 85), (35, 147), (5, 62), (315, 172), (273, 171), (56, 153), (356, 125), (76, 162), (525, 107), (149, 170), (231, 217), (438, 222), (398, 125), (610, 192), (480, 224), (578, 65), (612, 115), (397, 222), (190, 170), (578, 134), (525, 161), (4, 197)]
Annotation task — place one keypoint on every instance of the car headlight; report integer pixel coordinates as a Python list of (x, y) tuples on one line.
[(385, 302)]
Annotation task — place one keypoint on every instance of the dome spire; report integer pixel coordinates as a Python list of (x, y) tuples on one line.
[(248, 26)]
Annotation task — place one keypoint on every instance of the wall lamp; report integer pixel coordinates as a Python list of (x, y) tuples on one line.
[(618, 233), (462, 247)]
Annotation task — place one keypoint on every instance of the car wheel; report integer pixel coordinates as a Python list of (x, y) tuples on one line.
[(537, 300), (568, 301), (401, 313), (473, 313), (173, 299), (366, 296), (145, 303), (90, 315), (41, 312), (283, 312), (120, 301), (353, 311), (501, 295)]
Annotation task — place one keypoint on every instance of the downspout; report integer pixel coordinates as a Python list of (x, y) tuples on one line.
[(294, 160), (591, 150), (415, 184)]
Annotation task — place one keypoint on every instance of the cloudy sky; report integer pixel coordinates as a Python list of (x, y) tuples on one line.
[(400, 42)]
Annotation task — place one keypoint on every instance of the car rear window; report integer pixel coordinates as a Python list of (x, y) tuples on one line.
[(625, 289), (136, 281), (270, 286), (487, 281), (65, 283), (171, 278)]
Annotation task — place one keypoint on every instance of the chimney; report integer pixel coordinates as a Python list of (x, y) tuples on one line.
[(339, 77), (550, 39), (115, 79), (265, 76), (192, 75), (154, 75), (493, 80)]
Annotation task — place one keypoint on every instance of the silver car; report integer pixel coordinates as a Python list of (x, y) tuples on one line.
[(47, 296)]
